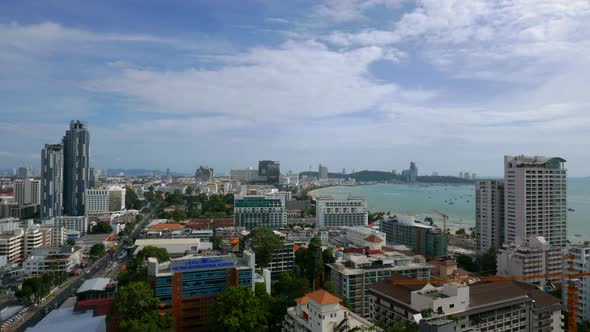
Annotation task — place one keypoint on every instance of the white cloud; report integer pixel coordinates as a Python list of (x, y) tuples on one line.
[(276, 20), (296, 80), (341, 11)]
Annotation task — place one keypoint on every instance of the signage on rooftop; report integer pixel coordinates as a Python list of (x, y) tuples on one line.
[(202, 263)]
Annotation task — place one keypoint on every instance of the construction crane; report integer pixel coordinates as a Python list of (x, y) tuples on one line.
[(571, 277), (445, 219)]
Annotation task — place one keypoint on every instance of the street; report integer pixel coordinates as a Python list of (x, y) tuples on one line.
[(98, 269)]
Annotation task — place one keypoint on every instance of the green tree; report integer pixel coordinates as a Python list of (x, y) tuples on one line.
[(217, 242), (160, 254), (132, 202), (136, 309), (314, 265), (264, 242), (237, 309), (329, 287), (487, 262), (70, 242), (101, 228), (274, 307), (584, 326), (290, 286), (189, 190), (98, 250), (328, 256), (300, 259), (467, 263), (461, 232)]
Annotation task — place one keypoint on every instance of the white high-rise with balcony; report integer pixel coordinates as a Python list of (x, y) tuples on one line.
[(535, 198)]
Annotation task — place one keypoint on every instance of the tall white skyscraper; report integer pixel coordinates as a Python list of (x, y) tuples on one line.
[(489, 214), (52, 167), (535, 198)]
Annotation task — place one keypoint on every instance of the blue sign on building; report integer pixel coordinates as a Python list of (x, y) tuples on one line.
[(202, 263)]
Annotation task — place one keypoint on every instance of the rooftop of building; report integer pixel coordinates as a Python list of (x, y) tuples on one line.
[(333, 198), (322, 297), (523, 161), (94, 238), (95, 285), (484, 293), (166, 227), (373, 238), (353, 263)]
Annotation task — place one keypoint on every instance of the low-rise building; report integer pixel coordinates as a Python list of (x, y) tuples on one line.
[(77, 223), (530, 256), (506, 306), (352, 274), (259, 211), (35, 237), (332, 212), (175, 247), (283, 259), (423, 239), (363, 237), (96, 294), (54, 259), (87, 241), (11, 243), (321, 311), (186, 286)]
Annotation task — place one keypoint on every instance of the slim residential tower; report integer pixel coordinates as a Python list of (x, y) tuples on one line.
[(52, 168), (76, 144)]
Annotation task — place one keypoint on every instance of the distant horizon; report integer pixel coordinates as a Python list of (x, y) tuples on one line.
[(363, 84)]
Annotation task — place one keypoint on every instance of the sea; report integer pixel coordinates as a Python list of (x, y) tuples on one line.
[(458, 202)]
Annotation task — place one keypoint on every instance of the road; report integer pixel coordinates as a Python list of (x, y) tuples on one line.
[(55, 300)]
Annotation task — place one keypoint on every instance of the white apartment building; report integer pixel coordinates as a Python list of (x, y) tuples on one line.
[(76, 223), (535, 198), (352, 274), (489, 214), (321, 311), (331, 212), (244, 175), (530, 256), (35, 237), (100, 201), (11, 243), (581, 252), (253, 211), (361, 237), (27, 191), (55, 259)]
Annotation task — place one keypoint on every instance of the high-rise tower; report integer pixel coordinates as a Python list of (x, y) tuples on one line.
[(76, 173), (535, 198), (52, 168)]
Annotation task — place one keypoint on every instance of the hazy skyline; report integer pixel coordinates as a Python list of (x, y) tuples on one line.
[(360, 84)]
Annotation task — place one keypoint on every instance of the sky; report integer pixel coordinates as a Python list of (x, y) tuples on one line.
[(453, 85)]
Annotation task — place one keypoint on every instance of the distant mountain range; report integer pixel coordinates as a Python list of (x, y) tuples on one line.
[(380, 176)]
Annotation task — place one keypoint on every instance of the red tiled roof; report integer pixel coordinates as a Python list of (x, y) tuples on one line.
[(323, 297), (208, 222), (166, 227), (302, 300), (373, 238)]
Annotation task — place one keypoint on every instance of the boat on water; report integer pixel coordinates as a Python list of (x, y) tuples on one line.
[(578, 235), (570, 209), (451, 203)]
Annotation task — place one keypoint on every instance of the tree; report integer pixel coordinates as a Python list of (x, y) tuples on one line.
[(487, 261), (329, 287), (467, 263), (237, 309), (70, 242), (101, 228), (98, 250), (189, 190), (328, 256), (136, 309), (160, 254), (461, 232), (300, 259), (314, 265), (290, 286), (264, 242), (132, 202), (584, 326), (274, 307), (217, 242)]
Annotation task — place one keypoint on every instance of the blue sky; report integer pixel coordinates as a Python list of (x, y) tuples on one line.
[(356, 84)]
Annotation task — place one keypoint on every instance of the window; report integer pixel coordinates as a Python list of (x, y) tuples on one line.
[(452, 305)]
